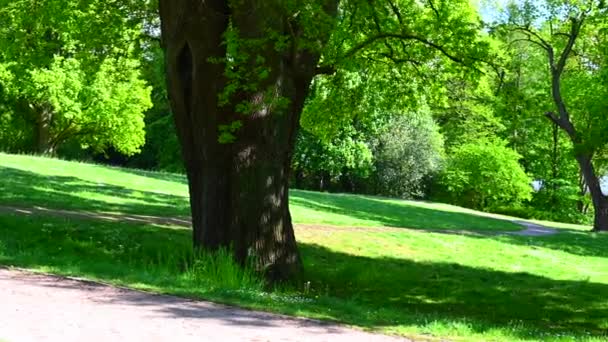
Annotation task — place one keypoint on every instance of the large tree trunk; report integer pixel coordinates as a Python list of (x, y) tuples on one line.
[(239, 190)]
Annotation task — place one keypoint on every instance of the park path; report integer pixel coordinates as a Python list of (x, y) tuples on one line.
[(41, 308), (530, 229), (533, 229)]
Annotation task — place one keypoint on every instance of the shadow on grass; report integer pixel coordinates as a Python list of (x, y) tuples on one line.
[(402, 215), (371, 292), (159, 175), (408, 293), (24, 188), (575, 242)]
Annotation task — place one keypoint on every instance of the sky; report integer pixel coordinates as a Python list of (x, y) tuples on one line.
[(489, 9)]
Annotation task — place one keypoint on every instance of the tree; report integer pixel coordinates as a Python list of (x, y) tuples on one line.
[(259, 57), (239, 73), (545, 149), (318, 162), (556, 29), (71, 71), (407, 153)]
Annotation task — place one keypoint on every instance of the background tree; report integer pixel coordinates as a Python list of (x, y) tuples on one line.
[(545, 149), (71, 73), (408, 152), (393, 65), (558, 29), (334, 165)]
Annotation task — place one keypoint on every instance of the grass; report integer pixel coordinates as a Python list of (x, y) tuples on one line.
[(32, 181), (417, 283), (412, 283)]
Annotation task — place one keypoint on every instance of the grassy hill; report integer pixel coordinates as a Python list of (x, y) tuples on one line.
[(426, 282), (52, 183)]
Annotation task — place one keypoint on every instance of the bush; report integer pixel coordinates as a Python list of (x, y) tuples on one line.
[(484, 175), (320, 164), (406, 153)]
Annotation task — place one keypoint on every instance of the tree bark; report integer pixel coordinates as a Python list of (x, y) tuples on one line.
[(43, 134), (599, 200), (585, 162), (239, 191)]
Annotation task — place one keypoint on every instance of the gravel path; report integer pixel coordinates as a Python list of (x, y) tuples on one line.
[(40, 308), (533, 229)]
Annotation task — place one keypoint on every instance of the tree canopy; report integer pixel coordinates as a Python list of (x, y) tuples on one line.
[(71, 73)]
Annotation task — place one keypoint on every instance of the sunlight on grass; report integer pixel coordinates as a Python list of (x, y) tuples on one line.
[(414, 283), (52, 183)]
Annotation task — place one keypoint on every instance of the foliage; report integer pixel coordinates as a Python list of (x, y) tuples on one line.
[(484, 174), (546, 151), (565, 196), (161, 150), (469, 111), (71, 71), (321, 162)]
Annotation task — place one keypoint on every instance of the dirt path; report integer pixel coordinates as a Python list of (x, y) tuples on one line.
[(530, 229), (41, 308), (130, 218), (533, 229)]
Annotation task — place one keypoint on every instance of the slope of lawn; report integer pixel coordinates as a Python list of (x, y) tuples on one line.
[(51, 183), (420, 283)]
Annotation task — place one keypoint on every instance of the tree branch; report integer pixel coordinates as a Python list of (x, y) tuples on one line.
[(397, 13), (543, 43), (528, 40), (432, 5), (402, 36), (551, 116), (574, 32)]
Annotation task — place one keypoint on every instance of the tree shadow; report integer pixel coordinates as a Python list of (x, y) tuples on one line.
[(575, 242), (382, 292), (25, 188), (402, 215), (405, 292)]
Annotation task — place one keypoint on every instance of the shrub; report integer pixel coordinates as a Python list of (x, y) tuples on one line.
[(407, 152), (483, 175)]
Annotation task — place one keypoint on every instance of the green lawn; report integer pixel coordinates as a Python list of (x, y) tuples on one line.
[(51, 183), (416, 283)]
